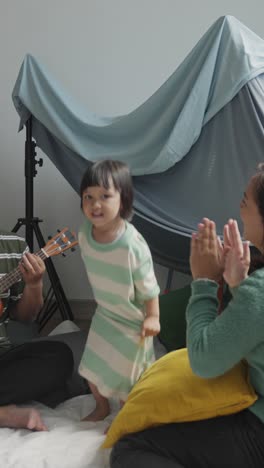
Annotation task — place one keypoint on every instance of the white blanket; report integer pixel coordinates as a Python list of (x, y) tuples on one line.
[(69, 443)]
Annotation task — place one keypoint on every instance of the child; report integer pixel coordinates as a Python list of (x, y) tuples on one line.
[(120, 269)]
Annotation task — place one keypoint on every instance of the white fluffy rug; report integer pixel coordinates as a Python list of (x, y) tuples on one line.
[(69, 443)]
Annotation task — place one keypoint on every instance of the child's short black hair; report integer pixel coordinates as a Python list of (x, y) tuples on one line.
[(102, 172)]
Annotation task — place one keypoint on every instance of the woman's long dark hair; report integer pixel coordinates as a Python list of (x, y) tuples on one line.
[(257, 258)]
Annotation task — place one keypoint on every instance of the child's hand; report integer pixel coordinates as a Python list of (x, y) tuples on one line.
[(150, 327)]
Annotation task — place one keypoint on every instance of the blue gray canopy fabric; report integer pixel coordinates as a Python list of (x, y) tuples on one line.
[(191, 146)]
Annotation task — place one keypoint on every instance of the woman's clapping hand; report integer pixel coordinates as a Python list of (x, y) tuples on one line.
[(237, 258), (210, 259), (207, 252)]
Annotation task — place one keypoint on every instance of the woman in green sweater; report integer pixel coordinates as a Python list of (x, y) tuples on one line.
[(215, 344)]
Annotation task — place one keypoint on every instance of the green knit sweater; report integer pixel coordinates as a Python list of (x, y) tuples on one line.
[(217, 342)]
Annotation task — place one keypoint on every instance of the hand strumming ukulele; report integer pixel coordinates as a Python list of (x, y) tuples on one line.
[(58, 244)]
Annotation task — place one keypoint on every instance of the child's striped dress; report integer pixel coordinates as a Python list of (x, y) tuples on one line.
[(122, 278)]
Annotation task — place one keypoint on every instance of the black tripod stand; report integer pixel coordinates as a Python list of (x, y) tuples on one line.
[(32, 227)]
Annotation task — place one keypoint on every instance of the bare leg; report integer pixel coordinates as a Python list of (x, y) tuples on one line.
[(21, 418), (102, 408)]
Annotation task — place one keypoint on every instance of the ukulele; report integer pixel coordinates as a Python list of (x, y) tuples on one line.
[(58, 244)]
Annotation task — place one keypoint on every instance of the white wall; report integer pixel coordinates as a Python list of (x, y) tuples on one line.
[(110, 55)]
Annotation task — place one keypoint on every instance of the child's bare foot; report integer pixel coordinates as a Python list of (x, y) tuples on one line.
[(98, 414), (102, 408), (21, 418)]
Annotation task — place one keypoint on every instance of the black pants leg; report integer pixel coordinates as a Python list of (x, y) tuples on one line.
[(21, 333), (76, 385), (35, 371), (235, 441)]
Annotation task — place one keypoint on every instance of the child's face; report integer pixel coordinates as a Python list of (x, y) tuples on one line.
[(100, 205)]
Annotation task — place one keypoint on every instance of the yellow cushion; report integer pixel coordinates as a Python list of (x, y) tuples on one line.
[(170, 392)]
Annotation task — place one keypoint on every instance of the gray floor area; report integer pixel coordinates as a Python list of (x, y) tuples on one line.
[(82, 311)]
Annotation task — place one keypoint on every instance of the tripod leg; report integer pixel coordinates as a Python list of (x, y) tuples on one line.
[(18, 225), (47, 308), (32, 226), (65, 310)]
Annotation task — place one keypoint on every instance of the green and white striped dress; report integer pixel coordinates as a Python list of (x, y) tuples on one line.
[(122, 278)]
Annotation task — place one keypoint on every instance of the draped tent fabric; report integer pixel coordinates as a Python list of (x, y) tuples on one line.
[(208, 181), (153, 137), (191, 146)]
